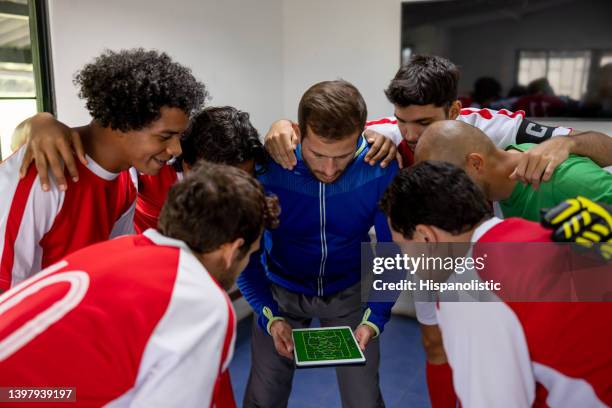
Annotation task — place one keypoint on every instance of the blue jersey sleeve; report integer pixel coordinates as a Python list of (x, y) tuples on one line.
[(378, 313), (255, 287)]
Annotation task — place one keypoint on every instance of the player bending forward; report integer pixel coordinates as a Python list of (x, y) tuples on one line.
[(504, 354), (142, 320)]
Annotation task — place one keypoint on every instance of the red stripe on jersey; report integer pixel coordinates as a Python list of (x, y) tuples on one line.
[(12, 227), (486, 114), (152, 193), (406, 153), (223, 395), (512, 114), (382, 122), (571, 338), (99, 203)]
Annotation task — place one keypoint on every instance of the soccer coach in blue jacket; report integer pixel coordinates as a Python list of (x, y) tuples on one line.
[(310, 265)]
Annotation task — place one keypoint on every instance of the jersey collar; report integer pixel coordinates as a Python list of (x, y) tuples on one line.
[(99, 171), (162, 240), (484, 227)]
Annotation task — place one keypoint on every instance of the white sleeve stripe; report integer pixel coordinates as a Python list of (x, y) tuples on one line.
[(26, 215), (184, 351), (487, 350)]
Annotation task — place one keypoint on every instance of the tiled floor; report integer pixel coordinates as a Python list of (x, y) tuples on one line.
[(402, 370)]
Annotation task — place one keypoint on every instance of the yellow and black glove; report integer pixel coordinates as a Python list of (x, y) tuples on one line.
[(582, 221)]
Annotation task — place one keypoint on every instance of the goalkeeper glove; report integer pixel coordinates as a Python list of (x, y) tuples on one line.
[(582, 221)]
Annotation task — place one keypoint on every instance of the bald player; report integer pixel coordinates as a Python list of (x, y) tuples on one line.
[(490, 167)]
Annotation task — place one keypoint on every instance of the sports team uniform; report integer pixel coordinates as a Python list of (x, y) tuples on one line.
[(527, 354), (577, 175), (310, 269), (39, 228), (152, 193), (135, 321)]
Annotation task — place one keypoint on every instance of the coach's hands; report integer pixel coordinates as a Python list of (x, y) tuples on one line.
[(582, 221), (283, 341), (363, 334), (49, 143), (539, 163)]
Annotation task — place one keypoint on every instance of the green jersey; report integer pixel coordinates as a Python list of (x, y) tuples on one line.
[(577, 175)]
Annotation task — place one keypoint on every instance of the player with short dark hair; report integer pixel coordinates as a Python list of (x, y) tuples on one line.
[(223, 135), (504, 353), (331, 118), (143, 320), (216, 134), (425, 80), (311, 264), (140, 102)]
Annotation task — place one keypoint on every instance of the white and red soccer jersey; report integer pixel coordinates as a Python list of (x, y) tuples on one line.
[(39, 228), (152, 193), (135, 321), (502, 126), (527, 354)]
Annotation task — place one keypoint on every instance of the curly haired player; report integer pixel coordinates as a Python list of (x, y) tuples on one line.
[(140, 102)]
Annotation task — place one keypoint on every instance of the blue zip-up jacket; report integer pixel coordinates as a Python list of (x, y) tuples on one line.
[(316, 250)]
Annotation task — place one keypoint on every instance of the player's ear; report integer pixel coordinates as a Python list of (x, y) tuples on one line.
[(425, 233), (231, 250), (475, 162), (454, 110), (296, 129)]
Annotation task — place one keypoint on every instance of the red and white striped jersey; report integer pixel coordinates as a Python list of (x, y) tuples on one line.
[(152, 193), (502, 126), (135, 321), (39, 228), (527, 354)]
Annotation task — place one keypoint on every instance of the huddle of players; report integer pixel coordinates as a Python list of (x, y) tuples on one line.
[(213, 219)]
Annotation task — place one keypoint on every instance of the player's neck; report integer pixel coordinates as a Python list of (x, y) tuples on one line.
[(214, 264), (100, 144), (502, 185)]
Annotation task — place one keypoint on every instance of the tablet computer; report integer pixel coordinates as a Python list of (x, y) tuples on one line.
[(326, 346)]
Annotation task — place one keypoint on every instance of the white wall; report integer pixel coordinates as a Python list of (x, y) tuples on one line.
[(356, 40), (259, 56), (233, 46)]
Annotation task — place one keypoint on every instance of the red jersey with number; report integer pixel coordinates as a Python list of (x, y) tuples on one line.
[(152, 193), (521, 354), (502, 126), (135, 321), (39, 228)]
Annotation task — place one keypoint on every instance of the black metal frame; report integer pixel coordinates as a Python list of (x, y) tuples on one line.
[(41, 55)]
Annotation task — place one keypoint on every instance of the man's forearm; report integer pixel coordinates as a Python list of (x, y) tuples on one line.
[(595, 145)]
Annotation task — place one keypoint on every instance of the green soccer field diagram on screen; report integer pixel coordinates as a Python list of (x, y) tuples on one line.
[(326, 346)]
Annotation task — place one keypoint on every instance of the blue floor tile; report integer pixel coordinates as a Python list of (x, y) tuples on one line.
[(402, 370)]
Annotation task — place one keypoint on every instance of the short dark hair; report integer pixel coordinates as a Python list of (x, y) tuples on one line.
[(126, 89), (424, 80), (332, 109), (216, 204), (222, 135), (434, 193)]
